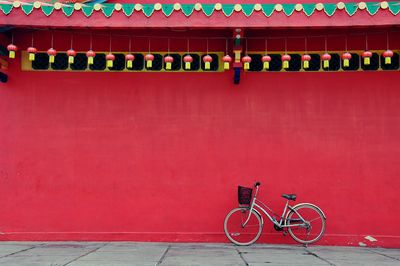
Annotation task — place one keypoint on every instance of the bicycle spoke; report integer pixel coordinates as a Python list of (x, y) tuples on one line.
[(319, 217)]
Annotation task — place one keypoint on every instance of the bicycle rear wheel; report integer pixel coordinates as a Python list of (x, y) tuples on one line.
[(241, 234), (309, 231)]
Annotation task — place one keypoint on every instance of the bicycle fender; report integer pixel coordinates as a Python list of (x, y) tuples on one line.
[(306, 203)]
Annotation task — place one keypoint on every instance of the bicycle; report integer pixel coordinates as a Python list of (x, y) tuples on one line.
[(243, 225)]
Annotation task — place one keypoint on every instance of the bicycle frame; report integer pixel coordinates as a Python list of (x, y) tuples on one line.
[(282, 221)]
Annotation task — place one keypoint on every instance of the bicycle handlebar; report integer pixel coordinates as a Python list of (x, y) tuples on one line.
[(257, 184)]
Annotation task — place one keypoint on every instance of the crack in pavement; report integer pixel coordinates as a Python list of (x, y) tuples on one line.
[(382, 254), (163, 255), (241, 256), (23, 250), (87, 253), (318, 257)]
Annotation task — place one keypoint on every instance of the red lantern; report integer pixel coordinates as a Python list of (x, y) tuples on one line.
[(90, 55), (306, 58), (12, 48), (388, 54), (346, 59), (31, 51), (149, 60), (168, 62), (129, 60), (367, 57), (207, 61), (188, 59), (110, 59), (246, 60), (52, 53), (227, 60), (71, 55), (325, 58), (266, 59), (285, 59)]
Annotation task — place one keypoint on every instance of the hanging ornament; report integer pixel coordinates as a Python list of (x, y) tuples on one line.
[(90, 55), (286, 58), (207, 59), (71, 52), (346, 56), (32, 52), (129, 60), (388, 54), (366, 54), (266, 59), (367, 57), (168, 62), (71, 55), (110, 59), (306, 58), (129, 57), (52, 54), (326, 57), (246, 61), (188, 59), (149, 60), (12, 48), (227, 60)]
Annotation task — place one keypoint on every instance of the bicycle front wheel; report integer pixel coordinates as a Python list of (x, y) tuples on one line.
[(239, 233), (306, 224)]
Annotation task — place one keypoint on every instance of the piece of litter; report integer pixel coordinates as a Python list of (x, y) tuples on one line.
[(361, 244), (370, 238)]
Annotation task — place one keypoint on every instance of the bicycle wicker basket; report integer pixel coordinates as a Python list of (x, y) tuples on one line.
[(244, 195)]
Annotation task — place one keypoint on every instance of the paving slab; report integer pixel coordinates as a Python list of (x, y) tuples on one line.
[(279, 255), (353, 256), (202, 254)]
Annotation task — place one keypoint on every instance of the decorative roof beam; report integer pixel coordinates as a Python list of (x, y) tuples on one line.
[(40, 14)]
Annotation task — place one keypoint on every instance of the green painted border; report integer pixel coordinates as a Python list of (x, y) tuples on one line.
[(308, 9)]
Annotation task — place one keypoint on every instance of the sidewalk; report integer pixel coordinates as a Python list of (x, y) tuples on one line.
[(142, 254)]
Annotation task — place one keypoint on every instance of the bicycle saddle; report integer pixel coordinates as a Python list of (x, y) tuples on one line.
[(289, 196)]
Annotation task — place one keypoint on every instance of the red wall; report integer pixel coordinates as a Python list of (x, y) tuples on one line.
[(157, 157)]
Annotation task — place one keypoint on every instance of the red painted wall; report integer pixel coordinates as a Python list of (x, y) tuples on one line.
[(157, 157)]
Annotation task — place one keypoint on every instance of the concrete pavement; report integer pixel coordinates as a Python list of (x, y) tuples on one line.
[(143, 254)]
